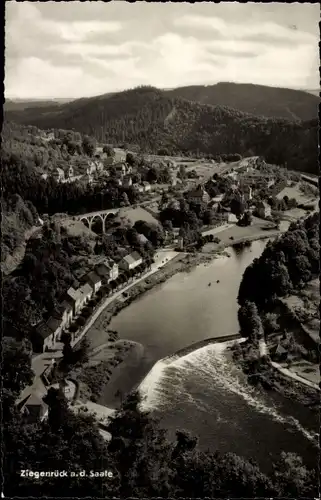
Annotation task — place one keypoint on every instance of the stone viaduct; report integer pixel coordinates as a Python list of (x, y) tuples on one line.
[(89, 218)]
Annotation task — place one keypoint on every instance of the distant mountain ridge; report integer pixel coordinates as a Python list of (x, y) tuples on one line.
[(22, 104), (156, 119), (258, 100)]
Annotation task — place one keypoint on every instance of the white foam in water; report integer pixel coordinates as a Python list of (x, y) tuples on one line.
[(164, 382)]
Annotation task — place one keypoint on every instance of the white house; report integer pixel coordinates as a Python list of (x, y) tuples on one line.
[(130, 261), (146, 186), (58, 174), (94, 281), (64, 313), (263, 210), (107, 271)]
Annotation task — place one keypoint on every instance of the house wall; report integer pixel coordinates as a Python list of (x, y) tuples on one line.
[(96, 286), (48, 342), (114, 272), (135, 264)]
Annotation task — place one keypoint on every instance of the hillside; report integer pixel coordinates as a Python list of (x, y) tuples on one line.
[(255, 99), (19, 219), (150, 118)]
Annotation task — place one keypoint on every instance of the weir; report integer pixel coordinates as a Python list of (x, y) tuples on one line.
[(201, 343), (188, 349)]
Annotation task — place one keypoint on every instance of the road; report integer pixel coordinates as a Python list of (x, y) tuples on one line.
[(41, 361), (264, 351), (294, 376), (218, 229)]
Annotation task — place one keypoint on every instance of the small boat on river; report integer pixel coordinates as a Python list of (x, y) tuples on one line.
[(209, 284)]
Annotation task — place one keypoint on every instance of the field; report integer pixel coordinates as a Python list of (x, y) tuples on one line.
[(205, 170), (295, 192), (256, 229), (305, 369), (136, 214), (306, 307), (77, 228)]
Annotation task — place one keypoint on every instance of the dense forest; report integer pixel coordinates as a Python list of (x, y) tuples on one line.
[(25, 155), (17, 218), (285, 265), (151, 119), (257, 100), (37, 286)]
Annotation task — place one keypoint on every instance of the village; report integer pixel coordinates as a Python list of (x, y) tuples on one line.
[(240, 201)]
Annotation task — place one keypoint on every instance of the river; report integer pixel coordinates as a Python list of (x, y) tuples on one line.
[(203, 392)]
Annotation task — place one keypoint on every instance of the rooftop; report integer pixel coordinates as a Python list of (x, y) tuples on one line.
[(92, 277), (132, 258), (43, 330), (85, 290), (53, 323), (142, 238)]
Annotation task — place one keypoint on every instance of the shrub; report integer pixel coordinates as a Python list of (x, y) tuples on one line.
[(81, 320)]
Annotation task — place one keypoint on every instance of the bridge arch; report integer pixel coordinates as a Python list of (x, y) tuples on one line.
[(98, 217), (85, 221), (89, 218)]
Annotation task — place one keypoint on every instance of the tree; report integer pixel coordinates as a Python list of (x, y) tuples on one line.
[(237, 207), (270, 323), (109, 151), (182, 172), (130, 159), (88, 145), (16, 365), (250, 321), (247, 218), (124, 201), (152, 175), (293, 479), (167, 225)]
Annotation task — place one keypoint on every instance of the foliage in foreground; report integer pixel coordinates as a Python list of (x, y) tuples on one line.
[(143, 461)]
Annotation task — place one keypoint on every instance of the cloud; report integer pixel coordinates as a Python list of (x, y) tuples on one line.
[(88, 50), (255, 31), (175, 45), (26, 28)]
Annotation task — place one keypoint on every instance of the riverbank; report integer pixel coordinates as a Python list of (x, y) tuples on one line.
[(103, 368), (110, 365), (228, 238), (97, 333), (113, 376), (261, 372)]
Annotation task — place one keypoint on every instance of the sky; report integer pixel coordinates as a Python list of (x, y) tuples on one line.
[(81, 49)]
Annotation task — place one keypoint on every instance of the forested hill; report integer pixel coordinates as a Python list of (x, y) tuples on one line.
[(255, 99), (150, 118)]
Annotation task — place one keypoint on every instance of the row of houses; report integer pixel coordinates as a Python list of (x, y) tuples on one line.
[(47, 333)]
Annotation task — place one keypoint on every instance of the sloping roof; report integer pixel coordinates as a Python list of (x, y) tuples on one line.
[(142, 238), (35, 400), (102, 269), (92, 277), (73, 294), (279, 349), (43, 330), (53, 323), (60, 171), (135, 256), (85, 290), (132, 258), (61, 308)]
